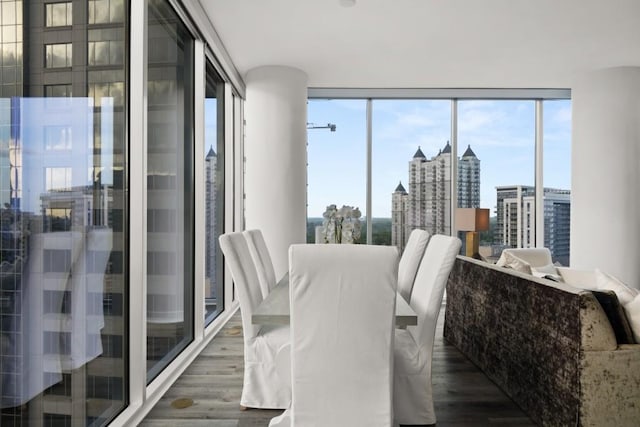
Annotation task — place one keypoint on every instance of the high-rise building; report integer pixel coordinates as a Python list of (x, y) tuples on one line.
[(469, 180), (211, 165), (516, 225), (427, 204), (399, 211)]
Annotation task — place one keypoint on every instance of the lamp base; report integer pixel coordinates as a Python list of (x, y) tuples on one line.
[(472, 245)]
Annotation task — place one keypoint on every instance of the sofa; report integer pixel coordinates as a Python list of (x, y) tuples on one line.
[(548, 345)]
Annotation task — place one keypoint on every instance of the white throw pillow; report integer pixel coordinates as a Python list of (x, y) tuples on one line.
[(508, 260), (624, 293), (632, 310), (629, 299), (548, 271)]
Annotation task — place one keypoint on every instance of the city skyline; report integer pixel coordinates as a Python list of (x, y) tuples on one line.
[(502, 133)]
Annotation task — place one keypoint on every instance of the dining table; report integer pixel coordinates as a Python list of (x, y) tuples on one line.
[(274, 309)]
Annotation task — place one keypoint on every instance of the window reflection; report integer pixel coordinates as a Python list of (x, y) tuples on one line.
[(58, 14), (169, 188), (58, 55), (106, 11), (63, 220)]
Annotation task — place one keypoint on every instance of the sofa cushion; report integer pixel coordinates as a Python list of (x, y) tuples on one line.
[(629, 298), (632, 310), (617, 316), (606, 281), (585, 279)]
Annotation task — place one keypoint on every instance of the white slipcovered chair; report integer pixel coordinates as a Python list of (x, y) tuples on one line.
[(342, 328), (262, 386), (262, 260), (410, 261), (413, 396)]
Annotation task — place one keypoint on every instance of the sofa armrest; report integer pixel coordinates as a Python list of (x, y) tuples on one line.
[(596, 330), (610, 386)]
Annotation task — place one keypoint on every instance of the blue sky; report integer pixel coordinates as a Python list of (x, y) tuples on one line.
[(501, 133)]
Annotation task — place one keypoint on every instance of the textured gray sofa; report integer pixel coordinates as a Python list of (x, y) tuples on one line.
[(548, 345)]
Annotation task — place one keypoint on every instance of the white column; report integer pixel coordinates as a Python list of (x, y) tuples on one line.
[(276, 152), (605, 188)]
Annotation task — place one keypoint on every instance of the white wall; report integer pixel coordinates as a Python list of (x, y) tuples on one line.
[(276, 153), (605, 206)]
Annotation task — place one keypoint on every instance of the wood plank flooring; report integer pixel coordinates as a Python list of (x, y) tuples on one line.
[(463, 396)]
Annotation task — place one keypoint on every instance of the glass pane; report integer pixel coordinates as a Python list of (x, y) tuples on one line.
[(170, 192), (214, 194), (496, 146), (63, 205), (116, 11), (58, 14), (557, 178), (410, 192), (99, 12), (337, 162), (58, 55)]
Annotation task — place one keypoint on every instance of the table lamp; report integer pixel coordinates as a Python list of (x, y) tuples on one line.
[(472, 220)]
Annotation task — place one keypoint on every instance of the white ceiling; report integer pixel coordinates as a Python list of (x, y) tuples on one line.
[(431, 43)]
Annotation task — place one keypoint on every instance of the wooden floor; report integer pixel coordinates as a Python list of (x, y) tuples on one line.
[(210, 389)]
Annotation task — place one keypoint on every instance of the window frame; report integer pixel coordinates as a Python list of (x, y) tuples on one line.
[(455, 95)]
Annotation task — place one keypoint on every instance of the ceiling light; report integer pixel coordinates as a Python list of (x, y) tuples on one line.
[(347, 3)]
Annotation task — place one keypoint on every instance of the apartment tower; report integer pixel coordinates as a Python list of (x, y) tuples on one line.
[(427, 204), (516, 225)]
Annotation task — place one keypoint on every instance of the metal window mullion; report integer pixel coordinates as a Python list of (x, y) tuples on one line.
[(539, 180), (454, 165), (199, 191), (369, 172), (438, 93), (138, 204), (233, 191)]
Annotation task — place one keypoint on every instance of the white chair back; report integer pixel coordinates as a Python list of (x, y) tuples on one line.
[(410, 261), (243, 271), (413, 394), (342, 328), (262, 260), (428, 289)]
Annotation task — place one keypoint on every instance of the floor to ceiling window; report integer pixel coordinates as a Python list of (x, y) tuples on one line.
[(214, 192), (411, 169), (170, 187), (336, 173), (417, 143), (557, 178), (496, 152), (72, 232), (63, 185)]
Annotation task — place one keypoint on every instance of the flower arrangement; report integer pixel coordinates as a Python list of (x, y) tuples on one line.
[(341, 225)]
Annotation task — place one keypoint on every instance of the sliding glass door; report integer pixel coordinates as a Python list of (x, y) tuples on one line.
[(170, 187)]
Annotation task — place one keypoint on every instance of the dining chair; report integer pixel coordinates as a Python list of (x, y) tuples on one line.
[(262, 386), (412, 390), (261, 258), (410, 260), (342, 323)]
